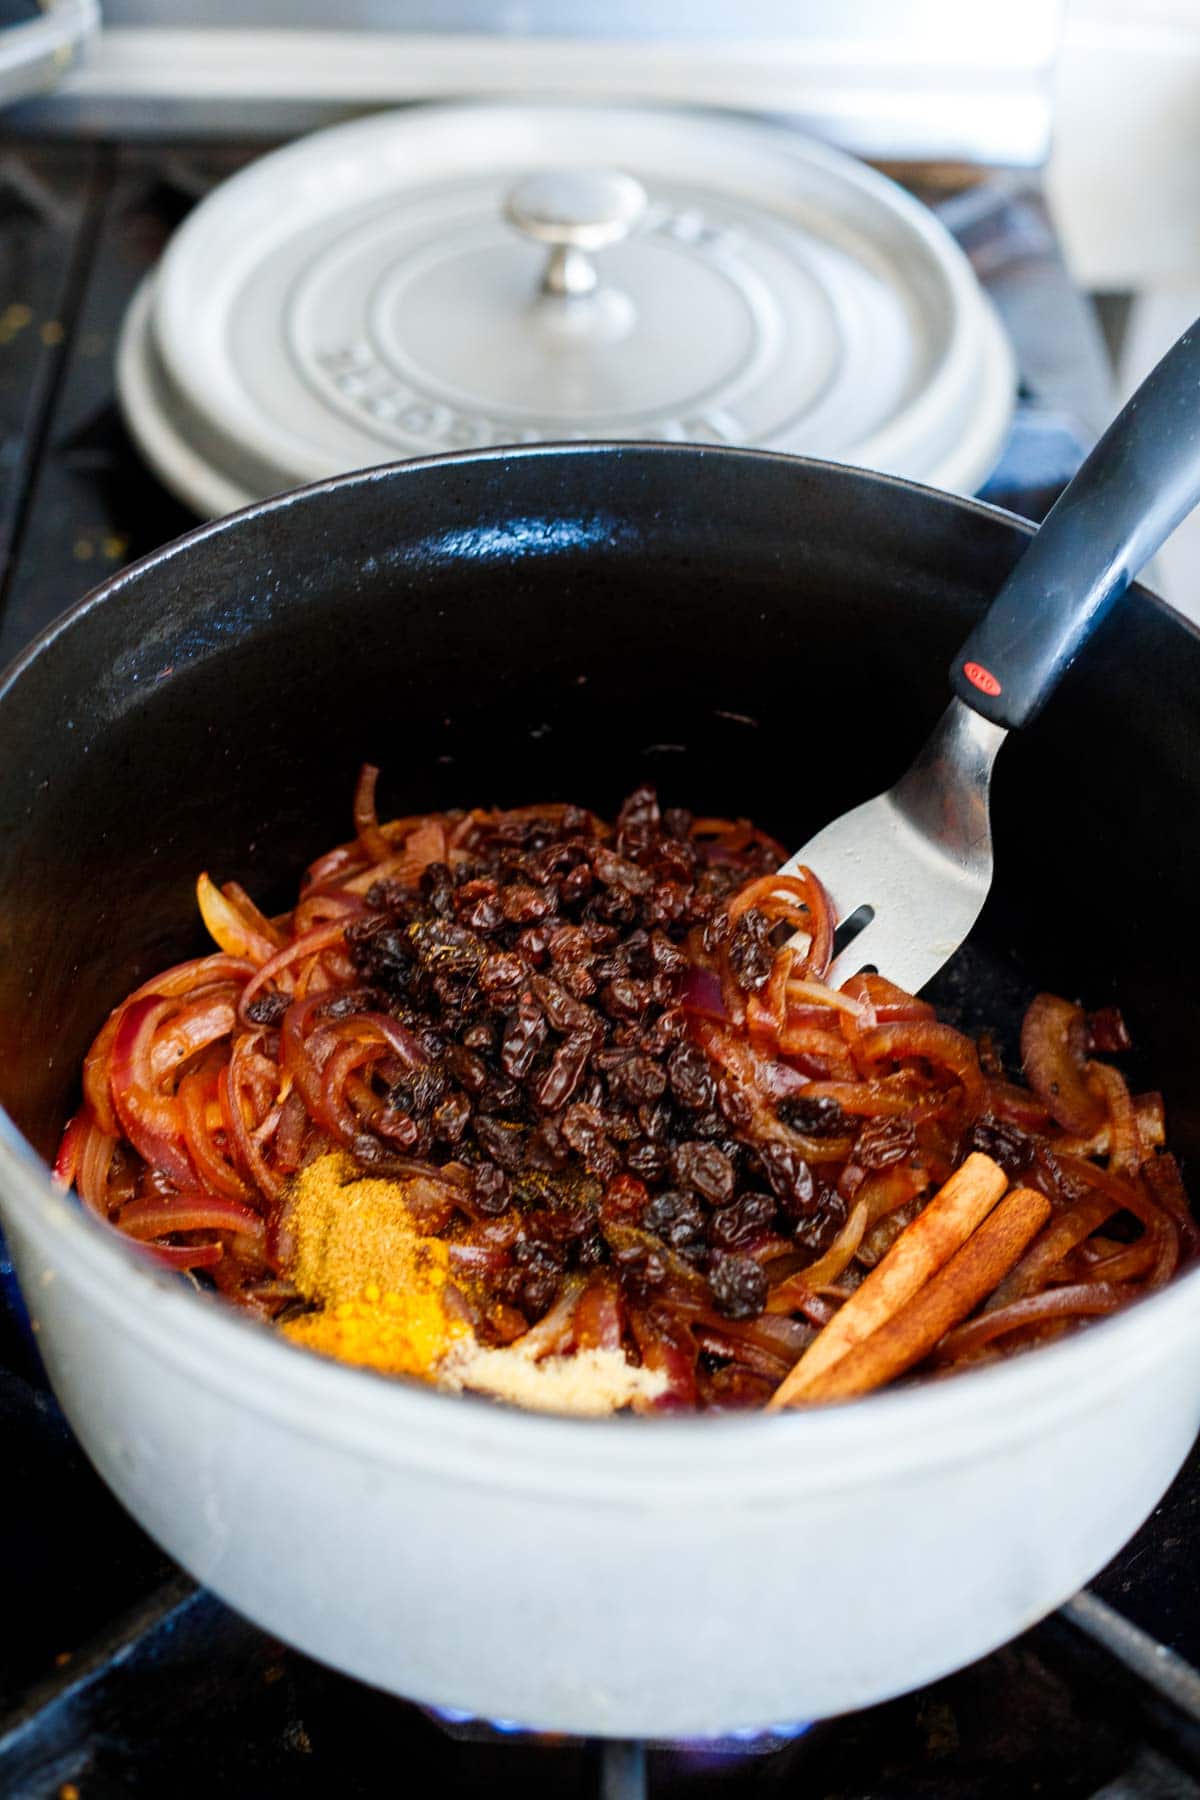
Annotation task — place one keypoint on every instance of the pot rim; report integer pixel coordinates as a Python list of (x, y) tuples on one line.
[(645, 1462)]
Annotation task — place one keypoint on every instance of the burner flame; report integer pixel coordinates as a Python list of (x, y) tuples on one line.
[(743, 1740)]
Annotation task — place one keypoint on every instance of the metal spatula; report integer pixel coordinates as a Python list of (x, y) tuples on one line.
[(909, 871)]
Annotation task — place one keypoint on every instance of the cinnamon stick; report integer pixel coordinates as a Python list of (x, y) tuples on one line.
[(1068, 1230), (921, 1249), (946, 1299)]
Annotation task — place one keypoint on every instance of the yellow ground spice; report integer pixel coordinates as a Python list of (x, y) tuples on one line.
[(378, 1283)]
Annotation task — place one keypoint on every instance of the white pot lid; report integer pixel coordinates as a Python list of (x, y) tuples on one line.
[(453, 277)]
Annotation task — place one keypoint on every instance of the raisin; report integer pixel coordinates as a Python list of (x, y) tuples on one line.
[(820, 1224), (575, 884), (751, 951), (558, 1224), (583, 1129), (578, 980), (624, 1198), (534, 942), (582, 1126), (469, 1070), (267, 1008), (541, 866), (666, 903), (646, 1160), (616, 905), (489, 1188), (788, 1176), (638, 822), (534, 1282), (739, 1287), (883, 1142), (1006, 1144), (391, 897), (675, 1218), (546, 1148), (691, 1079), (712, 1127), (367, 1149), (619, 874), (674, 863), (437, 885), (500, 1095), (747, 1218), (357, 1000), (447, 949), (737, 1109), (716, 933), (642, 1270), (668, 1030), (640, 1079), (667, 958), (569, 944), (621, 1125), (381, 952), (421, 1092), (591, 1250), (563, 1011), (705, 1169), (450, 1117), (524, 904), (625, 998), (555, 1087), (635, 954), (524, 1035), (656, 1123), (523, 830), (501, 977), (399, 1128), (819, 1118), (504, 1144), (477, 904)]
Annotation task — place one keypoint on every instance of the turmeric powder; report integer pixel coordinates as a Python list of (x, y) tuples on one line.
[(379, 1285)]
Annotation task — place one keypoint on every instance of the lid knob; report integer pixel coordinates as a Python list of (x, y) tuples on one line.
[(575, 210)]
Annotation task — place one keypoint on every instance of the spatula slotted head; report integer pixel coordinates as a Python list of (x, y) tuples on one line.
[(918, 858)]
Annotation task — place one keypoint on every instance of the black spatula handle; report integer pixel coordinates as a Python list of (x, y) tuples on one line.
[(1141, 479)]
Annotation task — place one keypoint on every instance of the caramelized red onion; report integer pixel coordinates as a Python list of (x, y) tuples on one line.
[(1054, 1042), (639, 1122)]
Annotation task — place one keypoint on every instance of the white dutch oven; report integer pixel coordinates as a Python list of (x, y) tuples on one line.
[(468, 623)]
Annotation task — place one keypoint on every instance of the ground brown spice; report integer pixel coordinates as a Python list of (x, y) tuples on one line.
[(379, 1285), (379, 1288)]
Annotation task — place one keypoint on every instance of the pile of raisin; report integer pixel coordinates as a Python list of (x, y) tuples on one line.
[(542, 979)]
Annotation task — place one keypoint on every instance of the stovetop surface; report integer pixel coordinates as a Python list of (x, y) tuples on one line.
[(117, 1675)]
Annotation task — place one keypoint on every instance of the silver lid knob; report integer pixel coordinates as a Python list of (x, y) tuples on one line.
[(575, 210)]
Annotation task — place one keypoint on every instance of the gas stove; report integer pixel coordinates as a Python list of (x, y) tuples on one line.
[(117, 1674)]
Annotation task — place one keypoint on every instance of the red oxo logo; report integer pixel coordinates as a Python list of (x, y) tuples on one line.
[(981, 678)]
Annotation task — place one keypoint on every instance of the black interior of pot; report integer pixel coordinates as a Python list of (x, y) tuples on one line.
[(757, 635)]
